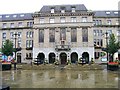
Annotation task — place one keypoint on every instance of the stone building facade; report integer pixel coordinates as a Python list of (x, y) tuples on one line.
[(60, 32)]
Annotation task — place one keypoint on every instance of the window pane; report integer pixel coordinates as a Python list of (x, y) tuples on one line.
[(84, 19), (41, 20), (51, 20), (51, 35), (73, 35), (73, 19), (84, 34), (63, 34), (41, 35), (62, 19)]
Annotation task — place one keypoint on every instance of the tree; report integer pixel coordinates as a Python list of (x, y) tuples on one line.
[(7, 48), (113, 46)]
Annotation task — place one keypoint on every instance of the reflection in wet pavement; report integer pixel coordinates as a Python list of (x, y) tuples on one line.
[(60, 79)]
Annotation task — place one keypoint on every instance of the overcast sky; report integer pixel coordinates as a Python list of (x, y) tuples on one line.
[(29, 6)]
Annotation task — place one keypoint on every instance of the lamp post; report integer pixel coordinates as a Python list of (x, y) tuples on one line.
[(107, 46), (15, 49)]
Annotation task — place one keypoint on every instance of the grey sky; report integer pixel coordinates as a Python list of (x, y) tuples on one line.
[(26, 6)]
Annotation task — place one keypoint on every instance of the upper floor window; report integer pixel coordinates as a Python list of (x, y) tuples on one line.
[(108, 13), (52, 20), (63, 34), (73, 19), (4, 25), (4, 35), (52, 10), (19, 43), (41, 36), (29, 24), (97, 32), (97, 22), (84, 35), (41, 20), (118, 32), (73, 9), (62, 19), (73, 35), (20, 24), (62, 9), (109, 22), (12, 25), (84, 19), (19, 34), (52, 35), (11, 35)]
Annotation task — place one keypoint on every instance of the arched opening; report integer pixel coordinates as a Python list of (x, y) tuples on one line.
[(51, 57), (41, 58), (63, 58), (85, 57), (74, 57)]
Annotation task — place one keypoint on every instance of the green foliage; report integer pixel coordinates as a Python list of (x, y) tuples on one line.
[(113, 46), (7, 48)]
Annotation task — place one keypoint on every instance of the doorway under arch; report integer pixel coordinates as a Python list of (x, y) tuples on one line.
[(41, 58), (85, 56), (63, 58), (51, 57), (74, 57)]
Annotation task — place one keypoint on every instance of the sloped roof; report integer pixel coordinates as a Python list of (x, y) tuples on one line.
[(106, 13), (21, 16), (68, 8)]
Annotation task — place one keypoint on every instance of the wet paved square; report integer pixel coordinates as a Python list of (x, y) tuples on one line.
[(60, 79)]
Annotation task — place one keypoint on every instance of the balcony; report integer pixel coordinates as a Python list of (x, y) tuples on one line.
[(62, 47)]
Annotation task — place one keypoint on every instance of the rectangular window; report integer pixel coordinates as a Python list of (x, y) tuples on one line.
[(11, 35), (62, 19), (20, 24), (12, 25), (4, 35), (27, 34), (52, 35), (94, 32), (31, 34), (84, 19), (73, 35), (63, 34), (109, 22), (51, 20), (52, 10), (73, 19), (31, 43), (27, 43), (41, 36), (29, 24), (19, 43), (19, 35), (118, 32), (84, 34), (62, 11), (41, 20), (73, 9), (4, 25)]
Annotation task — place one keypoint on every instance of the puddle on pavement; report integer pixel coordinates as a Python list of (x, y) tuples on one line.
[(60, 79)]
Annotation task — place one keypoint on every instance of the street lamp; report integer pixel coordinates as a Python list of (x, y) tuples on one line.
[(15, 49), (107, 46)]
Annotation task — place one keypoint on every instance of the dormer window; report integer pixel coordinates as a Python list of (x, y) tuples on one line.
[(52, 10), (108, 13), (116, 13), (14, 16), (7, 16), (22, 15), (63, 10), (73, 9)]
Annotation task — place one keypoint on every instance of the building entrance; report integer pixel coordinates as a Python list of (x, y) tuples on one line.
[(63, 58)]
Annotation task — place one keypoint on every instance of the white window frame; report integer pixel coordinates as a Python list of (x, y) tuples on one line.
[(73, 19), (62, 19), (84, 19), (41, 20), (52, 20)]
